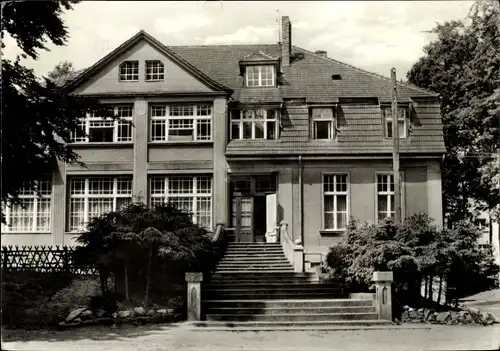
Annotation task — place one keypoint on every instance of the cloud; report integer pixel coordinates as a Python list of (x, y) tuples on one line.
[(181, 23), (246, 35)]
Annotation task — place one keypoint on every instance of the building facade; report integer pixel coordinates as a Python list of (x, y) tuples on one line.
[(245, 135)]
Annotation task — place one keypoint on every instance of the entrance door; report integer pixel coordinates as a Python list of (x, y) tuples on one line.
[(243, 218)]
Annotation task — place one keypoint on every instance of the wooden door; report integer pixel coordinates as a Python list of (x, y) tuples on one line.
[(242, 216)]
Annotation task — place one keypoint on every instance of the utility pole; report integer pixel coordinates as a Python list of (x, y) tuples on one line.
[(395, 147)]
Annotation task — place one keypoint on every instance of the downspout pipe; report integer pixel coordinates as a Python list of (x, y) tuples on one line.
[(301, 203)]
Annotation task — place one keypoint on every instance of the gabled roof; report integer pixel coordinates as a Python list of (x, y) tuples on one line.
[(259, 56), (142, 35), (309, 75)]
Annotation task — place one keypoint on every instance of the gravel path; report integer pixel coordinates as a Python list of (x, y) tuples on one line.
[(180, 338)]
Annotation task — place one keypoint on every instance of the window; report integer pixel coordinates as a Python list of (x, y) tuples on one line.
[(93, 196), (335, 207), (32, 213), (324, 123), (402, 115), (260, 76), (181, 122), (155, 70), (385, 196), (192, 194), (129, 71), (94, 129), (254, 124)]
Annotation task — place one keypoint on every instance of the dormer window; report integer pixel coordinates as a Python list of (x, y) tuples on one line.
[(155, 70), (324, 123), (129, 71), (403, 115), (260, 76)]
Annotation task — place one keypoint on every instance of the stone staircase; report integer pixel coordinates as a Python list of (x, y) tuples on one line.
[(255, 288)]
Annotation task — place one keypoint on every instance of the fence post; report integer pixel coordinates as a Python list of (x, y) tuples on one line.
[(66, 259), (194, 280), (383, 295)]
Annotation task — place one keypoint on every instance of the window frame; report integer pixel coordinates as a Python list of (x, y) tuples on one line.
[(347, 193), (402, 190), (405, 119), (86, 196), (332, 132), (260, 80), (197, 120), (122, 75), (160, 73), (194, 194), (240, 121), (36, 198), (85, 125)]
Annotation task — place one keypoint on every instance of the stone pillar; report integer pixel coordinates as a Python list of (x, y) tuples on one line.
[(383, 296), (140, 176), (298, 257), (434, 193), (58, 205), (194, 295), (220, 203)]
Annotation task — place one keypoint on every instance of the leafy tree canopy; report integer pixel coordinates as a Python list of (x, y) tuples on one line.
[(61, 70), (463, 66), (37, 117)]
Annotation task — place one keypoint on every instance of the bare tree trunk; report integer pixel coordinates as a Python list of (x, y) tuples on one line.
[(426, 280), (440, 288), (148, 276), (126, 280), (431, 280)]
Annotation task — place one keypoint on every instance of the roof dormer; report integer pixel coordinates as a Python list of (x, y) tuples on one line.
[(259, 70)]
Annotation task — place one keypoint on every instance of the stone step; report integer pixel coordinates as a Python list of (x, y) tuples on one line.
[(255, 282), (253, 271), (292, 317), (250, 265), (288, 310), (270, 285), (303, 288), (289, 303), (250, 295), (254, 244), (298, 326), (254, 252), (254, 261), (254, 258), (263, 275)]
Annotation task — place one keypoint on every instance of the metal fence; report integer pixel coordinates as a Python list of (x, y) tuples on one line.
[(47, 259)]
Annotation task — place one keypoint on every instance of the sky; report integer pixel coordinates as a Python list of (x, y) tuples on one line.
[(372, 35)]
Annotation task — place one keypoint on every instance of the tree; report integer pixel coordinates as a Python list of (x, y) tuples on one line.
[(62, 69), (463, 66), (37, 117)]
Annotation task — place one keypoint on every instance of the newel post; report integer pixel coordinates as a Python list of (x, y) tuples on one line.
[(298, 256), (194, 280), (383, 296)]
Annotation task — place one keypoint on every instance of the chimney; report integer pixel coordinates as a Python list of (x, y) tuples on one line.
[(321, 53), (286, 41)]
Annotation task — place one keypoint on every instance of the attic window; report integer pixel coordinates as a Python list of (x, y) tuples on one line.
[(259, 76), (155, 70), (129, 71), (336, 77)]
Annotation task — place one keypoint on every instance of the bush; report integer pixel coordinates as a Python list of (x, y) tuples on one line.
[(413, 250), (147, 251)]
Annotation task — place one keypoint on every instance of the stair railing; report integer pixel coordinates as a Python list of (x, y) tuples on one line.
[(294, 251)]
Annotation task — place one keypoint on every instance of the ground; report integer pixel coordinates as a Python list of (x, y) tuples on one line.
[(179, 337)]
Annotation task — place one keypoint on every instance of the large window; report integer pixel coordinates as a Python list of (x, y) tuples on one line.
[(181, 122), (90, 197), (192, 194), (155, 70), (259, 76), (385, 196), (32, 213), (129, 71), (335, 206), (94, 129), (388, 120), (254, 124), (324, 123)]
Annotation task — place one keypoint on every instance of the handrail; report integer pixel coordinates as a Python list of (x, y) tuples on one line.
[(219, 233), (294, 251)]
